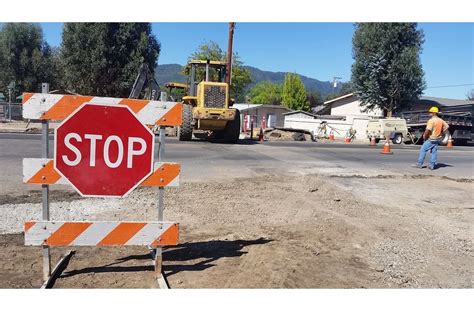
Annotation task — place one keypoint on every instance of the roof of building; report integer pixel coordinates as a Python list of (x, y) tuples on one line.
[(300, 111), (321, 109), (446, 102), (331, 117), (338, 98), (428, 100), (243, 107)]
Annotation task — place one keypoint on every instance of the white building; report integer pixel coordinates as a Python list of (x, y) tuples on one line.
[(349, 105), (272, 114), (346, 114)]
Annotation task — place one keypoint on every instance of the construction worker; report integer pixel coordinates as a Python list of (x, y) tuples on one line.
[(435, 128)]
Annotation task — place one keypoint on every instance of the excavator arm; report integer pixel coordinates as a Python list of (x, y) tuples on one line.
[(145, 78)]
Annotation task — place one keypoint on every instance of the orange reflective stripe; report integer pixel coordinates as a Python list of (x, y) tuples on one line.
[(169, 237), (174, 116), (46, 175), (26, 96), (67, 233), (121, 234), (65, 106), (28, 225), (163, 175), (135, 104)]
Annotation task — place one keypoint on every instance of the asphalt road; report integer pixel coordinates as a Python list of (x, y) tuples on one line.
[(202, 160)]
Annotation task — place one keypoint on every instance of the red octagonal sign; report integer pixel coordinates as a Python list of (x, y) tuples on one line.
[(103, 150)]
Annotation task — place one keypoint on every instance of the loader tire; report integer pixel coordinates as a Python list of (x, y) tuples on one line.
[(231, 132), (185, 131)]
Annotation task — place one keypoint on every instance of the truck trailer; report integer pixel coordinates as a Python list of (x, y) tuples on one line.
[(459, 119)]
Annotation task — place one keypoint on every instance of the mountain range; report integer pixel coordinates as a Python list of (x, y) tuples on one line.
[(172, 72)]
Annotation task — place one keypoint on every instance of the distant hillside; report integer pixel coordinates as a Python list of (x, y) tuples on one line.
[(324, 87), (169, 73), (172, 72)]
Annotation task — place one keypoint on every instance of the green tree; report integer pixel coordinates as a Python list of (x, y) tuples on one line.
[(240, 78), (25, 58), (294, 93), (266, 93), (55, 74), (346, 88), (315, 98), (387, 72), (104, 59)]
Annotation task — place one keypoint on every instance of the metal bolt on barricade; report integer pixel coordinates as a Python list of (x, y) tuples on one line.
[(116, 159)]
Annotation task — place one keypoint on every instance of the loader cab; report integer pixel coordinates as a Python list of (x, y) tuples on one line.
[(205, 71)]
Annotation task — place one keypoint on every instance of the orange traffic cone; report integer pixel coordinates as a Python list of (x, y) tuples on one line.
[(372, 141), (331, 135), (260, 136), (386, 148), (347, 140), (450, 142)]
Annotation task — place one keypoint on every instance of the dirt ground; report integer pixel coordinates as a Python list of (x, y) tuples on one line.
[(277, 232)]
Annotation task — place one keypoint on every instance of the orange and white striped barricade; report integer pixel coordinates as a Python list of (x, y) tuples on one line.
[(38, 171), (100, 233), (42, 171), (56, 107)]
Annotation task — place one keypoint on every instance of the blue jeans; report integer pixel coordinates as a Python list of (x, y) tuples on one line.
[(429, 145)]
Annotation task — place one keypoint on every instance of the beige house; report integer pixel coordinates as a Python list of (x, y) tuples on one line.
[(349, 105)]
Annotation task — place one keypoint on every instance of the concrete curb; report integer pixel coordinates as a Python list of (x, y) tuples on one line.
[(17, 131)]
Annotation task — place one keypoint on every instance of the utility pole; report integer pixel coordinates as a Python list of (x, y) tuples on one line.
[(229, 53)]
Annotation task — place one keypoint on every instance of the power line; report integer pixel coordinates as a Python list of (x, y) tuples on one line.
[(456, 85)]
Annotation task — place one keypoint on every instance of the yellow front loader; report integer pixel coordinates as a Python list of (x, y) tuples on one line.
[(207, 105)]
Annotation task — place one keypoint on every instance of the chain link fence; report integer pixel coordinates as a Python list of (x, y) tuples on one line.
[(10, 111)]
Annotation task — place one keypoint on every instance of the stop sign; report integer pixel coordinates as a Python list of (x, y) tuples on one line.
[(103, 150)]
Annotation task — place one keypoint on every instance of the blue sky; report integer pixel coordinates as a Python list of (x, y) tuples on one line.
[(316, 50)]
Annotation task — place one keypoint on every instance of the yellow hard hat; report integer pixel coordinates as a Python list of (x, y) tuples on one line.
[(434, 110)]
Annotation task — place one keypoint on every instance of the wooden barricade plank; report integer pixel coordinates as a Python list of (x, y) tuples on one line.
[(101, 233), (41, 171), (39, 106)]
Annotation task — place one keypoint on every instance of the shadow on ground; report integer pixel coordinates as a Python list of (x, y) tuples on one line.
[(206, 252), (441, 165)]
